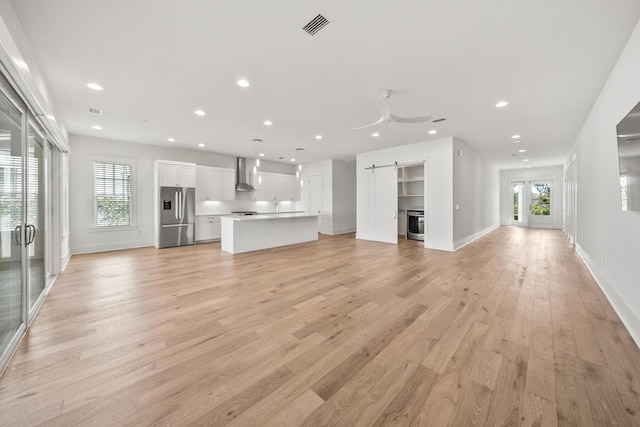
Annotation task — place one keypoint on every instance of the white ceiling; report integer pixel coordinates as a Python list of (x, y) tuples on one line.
[(159, 61)]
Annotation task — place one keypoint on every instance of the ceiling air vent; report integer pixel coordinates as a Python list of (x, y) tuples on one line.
[(95, 111), (315, 25), (438, 120)]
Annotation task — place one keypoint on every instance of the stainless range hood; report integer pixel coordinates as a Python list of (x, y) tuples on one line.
[(242, 176)]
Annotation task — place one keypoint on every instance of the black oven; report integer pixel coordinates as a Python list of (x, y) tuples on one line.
[(415, 225)]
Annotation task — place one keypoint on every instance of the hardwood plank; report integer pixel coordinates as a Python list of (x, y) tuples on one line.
[(473, 407), (486, 368), (538, 411), (335, 379), (296, 411), (508, 395), (405, 406)]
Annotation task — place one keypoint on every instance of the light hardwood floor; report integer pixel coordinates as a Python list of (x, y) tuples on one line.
[(509, 330)]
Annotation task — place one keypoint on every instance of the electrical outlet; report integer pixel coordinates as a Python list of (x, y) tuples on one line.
[(457, 207)]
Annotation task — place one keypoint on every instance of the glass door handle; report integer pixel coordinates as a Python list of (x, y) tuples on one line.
[(31, 230), (17, 235)]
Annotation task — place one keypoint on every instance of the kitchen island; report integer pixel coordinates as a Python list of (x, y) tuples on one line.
[(263, 231)]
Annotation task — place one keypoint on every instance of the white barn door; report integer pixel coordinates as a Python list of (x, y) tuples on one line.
[(385, 204)]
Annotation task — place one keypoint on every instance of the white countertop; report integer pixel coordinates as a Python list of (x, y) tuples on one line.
[(260, 217)]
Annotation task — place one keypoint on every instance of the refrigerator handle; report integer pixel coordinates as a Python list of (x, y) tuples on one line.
[(184, 199), (175, 201)]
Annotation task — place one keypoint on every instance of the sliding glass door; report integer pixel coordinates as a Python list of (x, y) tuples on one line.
[(12, 314), (25, 274), (35, 224)]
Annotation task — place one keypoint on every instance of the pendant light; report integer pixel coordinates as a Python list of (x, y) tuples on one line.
[(299, 168)]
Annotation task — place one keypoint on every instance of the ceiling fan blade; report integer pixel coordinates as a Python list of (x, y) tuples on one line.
[(397, 119), (383, 107), (380, 120)]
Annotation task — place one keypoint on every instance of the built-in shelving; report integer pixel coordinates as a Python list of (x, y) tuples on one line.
[(410, 192), (411, 183)]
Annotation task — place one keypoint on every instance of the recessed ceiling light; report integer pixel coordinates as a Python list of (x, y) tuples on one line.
[(261, 154), (515, 137), (243, 83), (516, 141), (268, 122), (201, 145), (528, 166), (171, 140), (293, 160), (522, 151), (94, 86), (318, 136), (432, 132), (96, 127), (375, 134), (200, 113), (525, 160), (502, 104)]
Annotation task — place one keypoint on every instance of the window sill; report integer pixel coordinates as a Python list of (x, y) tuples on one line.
[(113, 228)]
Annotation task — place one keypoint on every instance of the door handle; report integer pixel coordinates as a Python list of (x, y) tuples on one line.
[(30, 234), (33, 235), (17, 235)]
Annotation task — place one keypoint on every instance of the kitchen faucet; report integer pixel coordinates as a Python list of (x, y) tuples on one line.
[(277, 206)]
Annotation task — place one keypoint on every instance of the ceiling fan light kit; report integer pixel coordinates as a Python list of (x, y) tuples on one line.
[(385, 112)]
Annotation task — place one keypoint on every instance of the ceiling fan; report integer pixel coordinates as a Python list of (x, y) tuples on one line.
[(385, 112)]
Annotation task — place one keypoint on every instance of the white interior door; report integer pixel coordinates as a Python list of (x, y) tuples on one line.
[(385, 205), (315, 197)]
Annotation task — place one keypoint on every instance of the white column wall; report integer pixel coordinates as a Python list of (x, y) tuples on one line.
[(475, 195), (608, 239), (344, 197), (438, 184)]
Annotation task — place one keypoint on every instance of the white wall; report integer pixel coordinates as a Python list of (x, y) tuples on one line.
[(344, 197), (338, 194), (608, 238), (475, 195), (325, 170), (84, 150), (553, 173)]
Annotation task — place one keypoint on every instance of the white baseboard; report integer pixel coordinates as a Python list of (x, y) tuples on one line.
[(463, 242), (627, 316), (105, 247), (65, 260), (340, 231)]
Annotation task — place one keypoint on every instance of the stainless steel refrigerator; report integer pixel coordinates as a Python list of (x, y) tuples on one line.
[(177, 216)]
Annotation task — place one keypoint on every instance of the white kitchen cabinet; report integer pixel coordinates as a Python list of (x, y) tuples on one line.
[(228, 184), (215, 183), (176, 174), (276, 187), (207, 228)]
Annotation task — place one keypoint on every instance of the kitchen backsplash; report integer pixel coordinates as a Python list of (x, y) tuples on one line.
[(244, 204)]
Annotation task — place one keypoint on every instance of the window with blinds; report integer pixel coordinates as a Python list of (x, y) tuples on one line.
[(112, 194)]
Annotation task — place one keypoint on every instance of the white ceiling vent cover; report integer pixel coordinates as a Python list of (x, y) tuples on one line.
[(95, 111), (316, 24)]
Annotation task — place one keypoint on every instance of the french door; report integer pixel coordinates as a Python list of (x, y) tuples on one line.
[(532, 203), (24, 197)]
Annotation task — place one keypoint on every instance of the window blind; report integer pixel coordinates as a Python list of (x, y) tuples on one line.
[(112, 193)]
